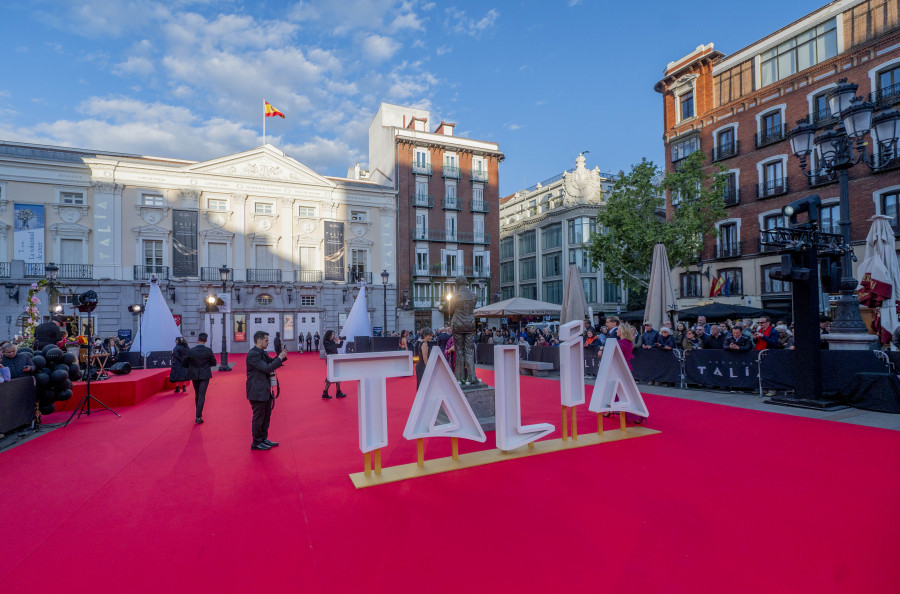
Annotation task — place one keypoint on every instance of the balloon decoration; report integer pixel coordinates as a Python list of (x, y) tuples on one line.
[(55, 371)]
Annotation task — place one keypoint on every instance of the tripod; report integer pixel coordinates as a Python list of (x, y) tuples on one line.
[(85, 405)]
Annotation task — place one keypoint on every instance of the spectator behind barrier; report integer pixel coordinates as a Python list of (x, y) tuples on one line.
[(738, 341)]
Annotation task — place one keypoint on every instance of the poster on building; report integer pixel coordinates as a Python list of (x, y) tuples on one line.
[(184, 243), (226, 302), (289, 326), (240, 327), (28, 233), (334, 251)]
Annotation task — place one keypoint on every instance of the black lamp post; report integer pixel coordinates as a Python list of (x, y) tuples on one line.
[(224, 271), (384, 281), (834, 154), (51, 272)]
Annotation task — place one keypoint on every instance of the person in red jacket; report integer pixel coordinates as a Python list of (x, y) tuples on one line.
[(766, 336)]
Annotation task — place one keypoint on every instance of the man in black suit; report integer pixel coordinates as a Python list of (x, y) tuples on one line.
[(48, 332), (200, 361), (260, 370)]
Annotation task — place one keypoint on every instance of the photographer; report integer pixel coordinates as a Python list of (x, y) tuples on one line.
[(331, 348), (766, 336), (260, 373)]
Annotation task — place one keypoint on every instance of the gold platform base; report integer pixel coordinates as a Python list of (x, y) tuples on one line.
[(403, 472)]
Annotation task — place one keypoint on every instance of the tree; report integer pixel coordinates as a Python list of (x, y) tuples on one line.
[(631, 223)]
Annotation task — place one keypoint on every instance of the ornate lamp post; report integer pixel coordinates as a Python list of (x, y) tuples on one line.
[(834, 154), (224, 271), (51, 272), (384, 281)]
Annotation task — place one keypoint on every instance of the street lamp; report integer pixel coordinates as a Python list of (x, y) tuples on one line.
[(138, 310), (12, 291), (834, 154), (384, 282), (224, 271), (51, 271)]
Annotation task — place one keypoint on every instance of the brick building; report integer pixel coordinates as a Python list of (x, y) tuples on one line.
[(447, 213), (740, 109)]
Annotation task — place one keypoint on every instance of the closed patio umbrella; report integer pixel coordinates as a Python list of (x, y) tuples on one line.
[(660, 292), (574, 305)]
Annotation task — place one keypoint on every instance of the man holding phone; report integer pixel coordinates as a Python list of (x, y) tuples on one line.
[(260, 388)]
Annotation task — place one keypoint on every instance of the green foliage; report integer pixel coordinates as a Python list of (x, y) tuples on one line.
[(631, 224)]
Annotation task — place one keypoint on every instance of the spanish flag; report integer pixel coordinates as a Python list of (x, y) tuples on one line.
[(716, 286), (271, 112)]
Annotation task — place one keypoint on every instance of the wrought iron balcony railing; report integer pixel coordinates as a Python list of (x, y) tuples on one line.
[(308, 276), (4, 270), (451, 171), (453, 203), (76, 271), (479, 206), (732, 196), (354, 275), (145, 272), (724, 151), (423, 200), (770, 135), (772, 187), (264, 275), (34, 269), (822, 177), (212, 274), (452, 236), (729, 249), (479, 175), (421, 168)]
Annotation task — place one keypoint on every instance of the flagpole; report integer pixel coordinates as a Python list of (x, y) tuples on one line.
[(264, 122)]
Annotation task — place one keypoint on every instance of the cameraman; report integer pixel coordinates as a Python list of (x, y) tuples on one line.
[(331, 348), (260, 370)]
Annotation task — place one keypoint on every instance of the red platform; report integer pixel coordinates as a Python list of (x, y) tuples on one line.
[(121, 390)]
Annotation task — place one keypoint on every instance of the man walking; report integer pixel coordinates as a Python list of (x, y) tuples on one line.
[(260, 368), (200, 361)]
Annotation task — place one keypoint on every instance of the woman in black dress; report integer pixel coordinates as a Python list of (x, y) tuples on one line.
[(331, 347), (317, 338), (308, 341), (422, 351), (178, 375)]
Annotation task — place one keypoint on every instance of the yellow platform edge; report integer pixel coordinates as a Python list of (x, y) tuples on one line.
[(392, 474)]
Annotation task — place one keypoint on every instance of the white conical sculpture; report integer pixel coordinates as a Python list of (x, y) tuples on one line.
[(615, 389), (158, 329), (357, 322)]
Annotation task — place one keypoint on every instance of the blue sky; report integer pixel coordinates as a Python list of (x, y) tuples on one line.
[(186, 79)]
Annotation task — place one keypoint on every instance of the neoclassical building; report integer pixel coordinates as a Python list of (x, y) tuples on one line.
[(296, 242), (544, 228)]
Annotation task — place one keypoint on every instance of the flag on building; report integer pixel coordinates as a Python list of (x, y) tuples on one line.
[(271, 112), (716, 286), (726, 290)]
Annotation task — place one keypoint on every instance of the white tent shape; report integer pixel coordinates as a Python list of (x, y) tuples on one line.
[(357, 322), (158, 329), (509, 432), (439, 386), (615, 389), (571, 363)]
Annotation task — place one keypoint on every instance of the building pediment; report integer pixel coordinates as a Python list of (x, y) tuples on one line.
[(265, 162)]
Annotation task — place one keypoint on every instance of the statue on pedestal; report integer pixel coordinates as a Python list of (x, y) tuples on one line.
[(462, 323)]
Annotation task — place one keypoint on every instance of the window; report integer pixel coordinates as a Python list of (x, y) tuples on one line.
[(359, 215), (153, 252), (478, 228), (216, 254), (264, 208), (773, 179), (727, 145), (307, 259), (681, 149), (686, 104), (450, 195), (590, 289), (507, 272), (528, 291), (552, 264), (452, 262), (729, 243), (771, 222), (481, 263), (358, 261), (449, 160), (612, 292), (217, 204), (690, 284), (579, 257), (421, 224), (729, 192), (580, 230), (306, 211), (794, 55), (829, 217), (153, 200), (527, 269), (771, 285), (264, 299), (478, 194), (821, 112), (71, 251), (451, 226), (307, 300), (551, 236), (422, 260), (265, 257), (552, 292), (71, 198), (734, 284), (507, 248), (507, 293), (888, 83), (527, 243), (771, 126), (890, 206)]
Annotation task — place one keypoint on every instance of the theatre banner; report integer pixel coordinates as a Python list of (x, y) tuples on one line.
[(184, 243), (28, 234), (240, 327), (334, 250)]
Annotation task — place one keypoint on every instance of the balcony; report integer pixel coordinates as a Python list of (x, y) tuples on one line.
[(451, 171), (728, 249), (4, 269), (34, 270), (453, 271), (452, 236), (145, 272), (479, 175), (263, 275), (724, 151), (823, 117), (308, 276), (421, 168), (886, 97), (423, 200), (212, 274), (772, 187), (479, 206), (732, 196), (354, 275), (422, 303), (770, 136), (821, 178), (76, 271), (451, 203)]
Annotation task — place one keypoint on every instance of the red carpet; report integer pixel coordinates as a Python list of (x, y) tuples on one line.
[(120, 390), (724, 500)]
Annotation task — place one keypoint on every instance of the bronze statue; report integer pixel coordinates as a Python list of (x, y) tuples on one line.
[(462, 322)]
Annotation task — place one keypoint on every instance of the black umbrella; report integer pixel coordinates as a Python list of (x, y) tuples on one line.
[(720, 311), (633, 316)]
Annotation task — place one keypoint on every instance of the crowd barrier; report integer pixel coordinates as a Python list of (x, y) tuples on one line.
[(17, 401), (776, 368)]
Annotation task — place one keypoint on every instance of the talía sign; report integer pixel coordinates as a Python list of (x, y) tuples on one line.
[(614, 391)]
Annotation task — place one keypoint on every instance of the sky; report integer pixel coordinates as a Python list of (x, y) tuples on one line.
[(186, 78)]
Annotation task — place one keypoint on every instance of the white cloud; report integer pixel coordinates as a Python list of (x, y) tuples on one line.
[(459, 22), (512, 126), (444, 49), (379, 48), (134, 65), (407, 21), (574, 3), (428, 6)]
